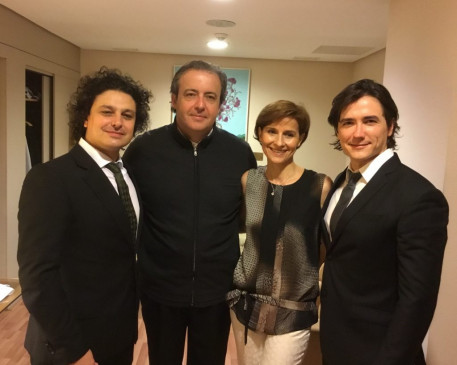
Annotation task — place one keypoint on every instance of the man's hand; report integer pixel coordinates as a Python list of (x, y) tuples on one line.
[(87, 359)]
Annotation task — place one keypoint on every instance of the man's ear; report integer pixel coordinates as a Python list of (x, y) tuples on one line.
[(391, 130), (173, 101)]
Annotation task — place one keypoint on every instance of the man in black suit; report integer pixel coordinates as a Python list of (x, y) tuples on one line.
[(77, 254), (385, 250)]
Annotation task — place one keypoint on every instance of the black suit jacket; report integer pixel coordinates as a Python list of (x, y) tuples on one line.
[(382, 271), (76, 262)]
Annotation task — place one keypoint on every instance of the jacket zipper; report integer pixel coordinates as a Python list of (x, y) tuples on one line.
[(196, 192)]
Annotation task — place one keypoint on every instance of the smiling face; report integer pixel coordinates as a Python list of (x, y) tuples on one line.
[(363, 131), (111, 122), (197, 103), (280, 140)]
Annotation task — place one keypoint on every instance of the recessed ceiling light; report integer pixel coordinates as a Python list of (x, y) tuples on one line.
[(219, 42)]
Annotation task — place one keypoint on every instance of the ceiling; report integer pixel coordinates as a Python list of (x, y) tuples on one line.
[(311, 30)]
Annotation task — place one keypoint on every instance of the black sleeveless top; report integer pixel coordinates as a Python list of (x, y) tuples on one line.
[(276, 277)]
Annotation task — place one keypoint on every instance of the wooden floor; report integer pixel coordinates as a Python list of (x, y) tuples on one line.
[(13, 324)]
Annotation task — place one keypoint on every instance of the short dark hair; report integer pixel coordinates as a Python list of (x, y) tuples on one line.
[(354, 92), (279, 110), (92, 85), (203, 66)]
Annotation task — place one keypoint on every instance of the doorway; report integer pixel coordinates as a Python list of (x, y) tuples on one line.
[(39, 123)]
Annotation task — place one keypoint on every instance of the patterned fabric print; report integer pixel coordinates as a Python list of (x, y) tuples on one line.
[(276, 278)]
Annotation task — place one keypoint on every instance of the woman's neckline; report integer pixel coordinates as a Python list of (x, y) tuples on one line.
[(287, 180)]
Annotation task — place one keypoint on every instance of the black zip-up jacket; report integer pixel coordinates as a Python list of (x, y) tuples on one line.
[(191, 199)]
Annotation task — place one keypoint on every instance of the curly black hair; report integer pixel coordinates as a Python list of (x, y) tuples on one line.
[(92, 85)]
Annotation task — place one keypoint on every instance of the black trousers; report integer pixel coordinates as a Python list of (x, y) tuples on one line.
[(207, 333), (123, 357), (42, 353)]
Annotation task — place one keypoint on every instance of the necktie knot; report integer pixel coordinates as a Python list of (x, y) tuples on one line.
[(113, 167), (353, 177)]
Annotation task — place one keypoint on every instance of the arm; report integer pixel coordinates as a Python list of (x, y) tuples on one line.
[(244, 179), (421, 238), (326, 189), (44, 213), (327, 185)]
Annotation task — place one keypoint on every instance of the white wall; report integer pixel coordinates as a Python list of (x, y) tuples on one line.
[(371, 67), (421, 73), (3, 154), (417, 76), (23, 46)]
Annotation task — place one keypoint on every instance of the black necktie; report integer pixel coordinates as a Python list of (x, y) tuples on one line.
[(345, 198), (124, 195)]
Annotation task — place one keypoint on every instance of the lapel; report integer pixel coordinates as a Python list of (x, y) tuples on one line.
[(325, 233), (338, 181), (97, 181), (382, 177)]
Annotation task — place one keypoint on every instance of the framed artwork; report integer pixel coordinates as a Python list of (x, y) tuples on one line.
[(233, 116)]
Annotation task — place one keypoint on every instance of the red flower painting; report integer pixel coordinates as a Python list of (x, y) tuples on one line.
[(231, 104)]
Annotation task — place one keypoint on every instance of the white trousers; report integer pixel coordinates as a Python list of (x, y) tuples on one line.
[(263, 349)]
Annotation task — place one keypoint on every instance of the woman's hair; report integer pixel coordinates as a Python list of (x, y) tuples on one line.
[(279, 110)]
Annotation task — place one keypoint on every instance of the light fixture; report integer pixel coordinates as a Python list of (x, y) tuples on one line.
[(219, 42), (220, 23)]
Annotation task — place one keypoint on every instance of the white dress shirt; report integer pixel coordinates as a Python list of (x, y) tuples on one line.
[(367, 171), (102, 160)]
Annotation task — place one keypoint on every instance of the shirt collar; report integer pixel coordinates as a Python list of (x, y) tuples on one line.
[(100, 158), (371, 168)]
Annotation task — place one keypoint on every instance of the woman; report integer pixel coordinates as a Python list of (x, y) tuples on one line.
[(276, 279)]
